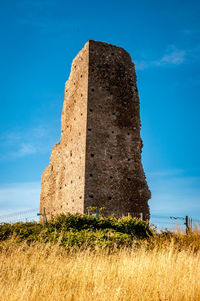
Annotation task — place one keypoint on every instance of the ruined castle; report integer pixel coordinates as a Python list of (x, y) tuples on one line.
[(98, 159)]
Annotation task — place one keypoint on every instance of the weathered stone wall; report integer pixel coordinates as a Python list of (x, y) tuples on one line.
[(62, 188), (98, 161), (114, 174)]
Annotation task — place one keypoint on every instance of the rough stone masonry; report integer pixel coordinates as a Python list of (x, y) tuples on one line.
[(98, 159)]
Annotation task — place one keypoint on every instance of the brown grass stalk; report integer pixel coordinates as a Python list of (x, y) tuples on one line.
[(46, 272)]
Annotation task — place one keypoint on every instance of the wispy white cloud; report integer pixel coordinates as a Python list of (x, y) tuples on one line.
[(25, 150), (19, 196), (172, 56), (175, 57), (21, 143), (39, 131), (191, 32), (141, 65), (174, 193)]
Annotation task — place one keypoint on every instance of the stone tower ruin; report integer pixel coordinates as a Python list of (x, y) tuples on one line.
[(98, 159)]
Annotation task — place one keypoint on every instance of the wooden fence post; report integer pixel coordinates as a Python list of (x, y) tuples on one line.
[(186, 224)]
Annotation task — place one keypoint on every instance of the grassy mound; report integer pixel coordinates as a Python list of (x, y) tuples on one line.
[(80, 230), (83, 231)]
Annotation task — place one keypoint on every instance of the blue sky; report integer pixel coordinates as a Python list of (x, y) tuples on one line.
[(39, 40)]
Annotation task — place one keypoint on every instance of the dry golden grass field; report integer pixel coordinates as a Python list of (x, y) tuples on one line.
[(48, 272)]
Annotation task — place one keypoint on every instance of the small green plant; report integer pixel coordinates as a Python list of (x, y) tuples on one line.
[(95, 211)]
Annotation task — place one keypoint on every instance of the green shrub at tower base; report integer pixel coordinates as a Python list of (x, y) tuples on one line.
[(75, 230)]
